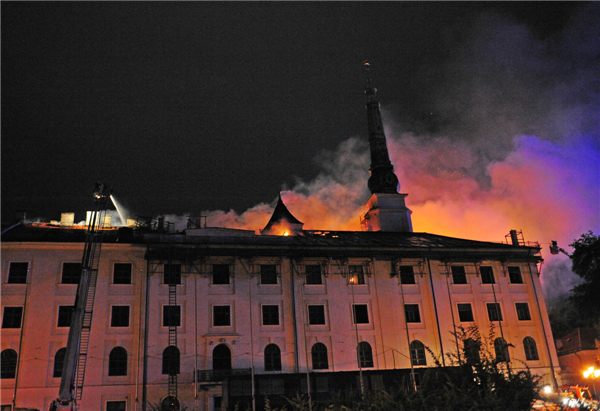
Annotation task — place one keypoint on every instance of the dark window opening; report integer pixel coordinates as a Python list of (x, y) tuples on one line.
[(172, 274), (122, 273), (65, 313), (417, 353), (514, 274), (365, 355), (459, 276), (17, 273), (465, 312), (523, 312), (119, 316), (12, 317), (272, 358), (412, 313), (494, 312), (59, 363), (171, 316), (71, 273), (531, 353), (270, 314), (471, 350), (316, 315), (319, 357), (222, 315), (170, 360), (221, 357), (361, 314), (8, 364), (220, 274), (487, 275), (407, 274), (501, 349), (115, 405), (117, 361), (313, 275), (268, 274)]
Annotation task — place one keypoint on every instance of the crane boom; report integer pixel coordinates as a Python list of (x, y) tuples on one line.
[(71, 383)]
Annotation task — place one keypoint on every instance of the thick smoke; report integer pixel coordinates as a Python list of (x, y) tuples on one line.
[(516, 147)]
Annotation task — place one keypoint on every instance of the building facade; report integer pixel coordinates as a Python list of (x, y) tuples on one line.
[(194, 315)]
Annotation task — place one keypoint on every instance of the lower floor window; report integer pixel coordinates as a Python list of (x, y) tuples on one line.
[(115, 406)]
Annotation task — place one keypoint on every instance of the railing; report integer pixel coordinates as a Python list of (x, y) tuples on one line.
[(220, 375)]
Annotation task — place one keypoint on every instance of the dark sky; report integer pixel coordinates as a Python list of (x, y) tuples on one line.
[(192, 106)]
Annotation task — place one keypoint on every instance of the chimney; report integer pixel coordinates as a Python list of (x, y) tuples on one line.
[(514, 238)]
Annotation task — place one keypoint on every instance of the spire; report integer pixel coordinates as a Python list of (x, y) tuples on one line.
[(383, 179), (282, 222)]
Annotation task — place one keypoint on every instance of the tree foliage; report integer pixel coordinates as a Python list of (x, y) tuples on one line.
[(586, 264)]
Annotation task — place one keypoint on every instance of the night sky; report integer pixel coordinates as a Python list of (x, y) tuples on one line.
[(185, 107)]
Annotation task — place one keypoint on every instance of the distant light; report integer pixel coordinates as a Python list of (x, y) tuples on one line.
[(548, 389)]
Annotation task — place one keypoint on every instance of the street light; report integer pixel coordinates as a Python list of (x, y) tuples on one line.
[(593, 374)]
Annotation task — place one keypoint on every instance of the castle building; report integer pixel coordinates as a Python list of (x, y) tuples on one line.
[(213, 317)]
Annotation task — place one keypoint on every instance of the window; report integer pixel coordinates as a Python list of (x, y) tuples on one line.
[(272, 358), (221, 357), (357, 276), (487, 275), (8, 364), (171, 315), (417, 353), (12, 317), (122, 273), (412, 313), (501, 348), (119, 316), (59, 363), (458, 274), (71, 273), (220, 274), (65, 313), (221, 315), (170, 360), (465, 313), (115, 405), (407, 274), (494, 312), (523, 312), (361, 314), (365, 355), (319, 357), (514, 274), (471, 349), (316, 314), (313, 275), (117, 361), (268, 274), (270, 314), (17, 273), (531, 353), (172, 274)]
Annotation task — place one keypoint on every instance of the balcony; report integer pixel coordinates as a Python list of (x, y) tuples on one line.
[(220, 375)]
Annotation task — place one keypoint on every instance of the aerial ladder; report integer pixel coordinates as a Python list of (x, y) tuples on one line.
[(71, 383)]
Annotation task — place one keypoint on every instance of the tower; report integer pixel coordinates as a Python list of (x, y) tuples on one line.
[(387, 208)]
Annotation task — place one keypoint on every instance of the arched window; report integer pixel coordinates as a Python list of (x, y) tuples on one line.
[(501, 348), (170, 361), (272, 358), (531, 353), (117, 361), (8, 363), (365, 355), (170, 404), (417, 353), (221, 357), (59, 363), (471, 350), (319, 357)]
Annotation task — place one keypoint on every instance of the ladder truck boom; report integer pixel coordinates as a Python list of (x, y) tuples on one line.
[(73, 372)]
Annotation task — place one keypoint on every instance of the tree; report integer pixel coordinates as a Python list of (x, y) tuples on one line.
[(586, 264)]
